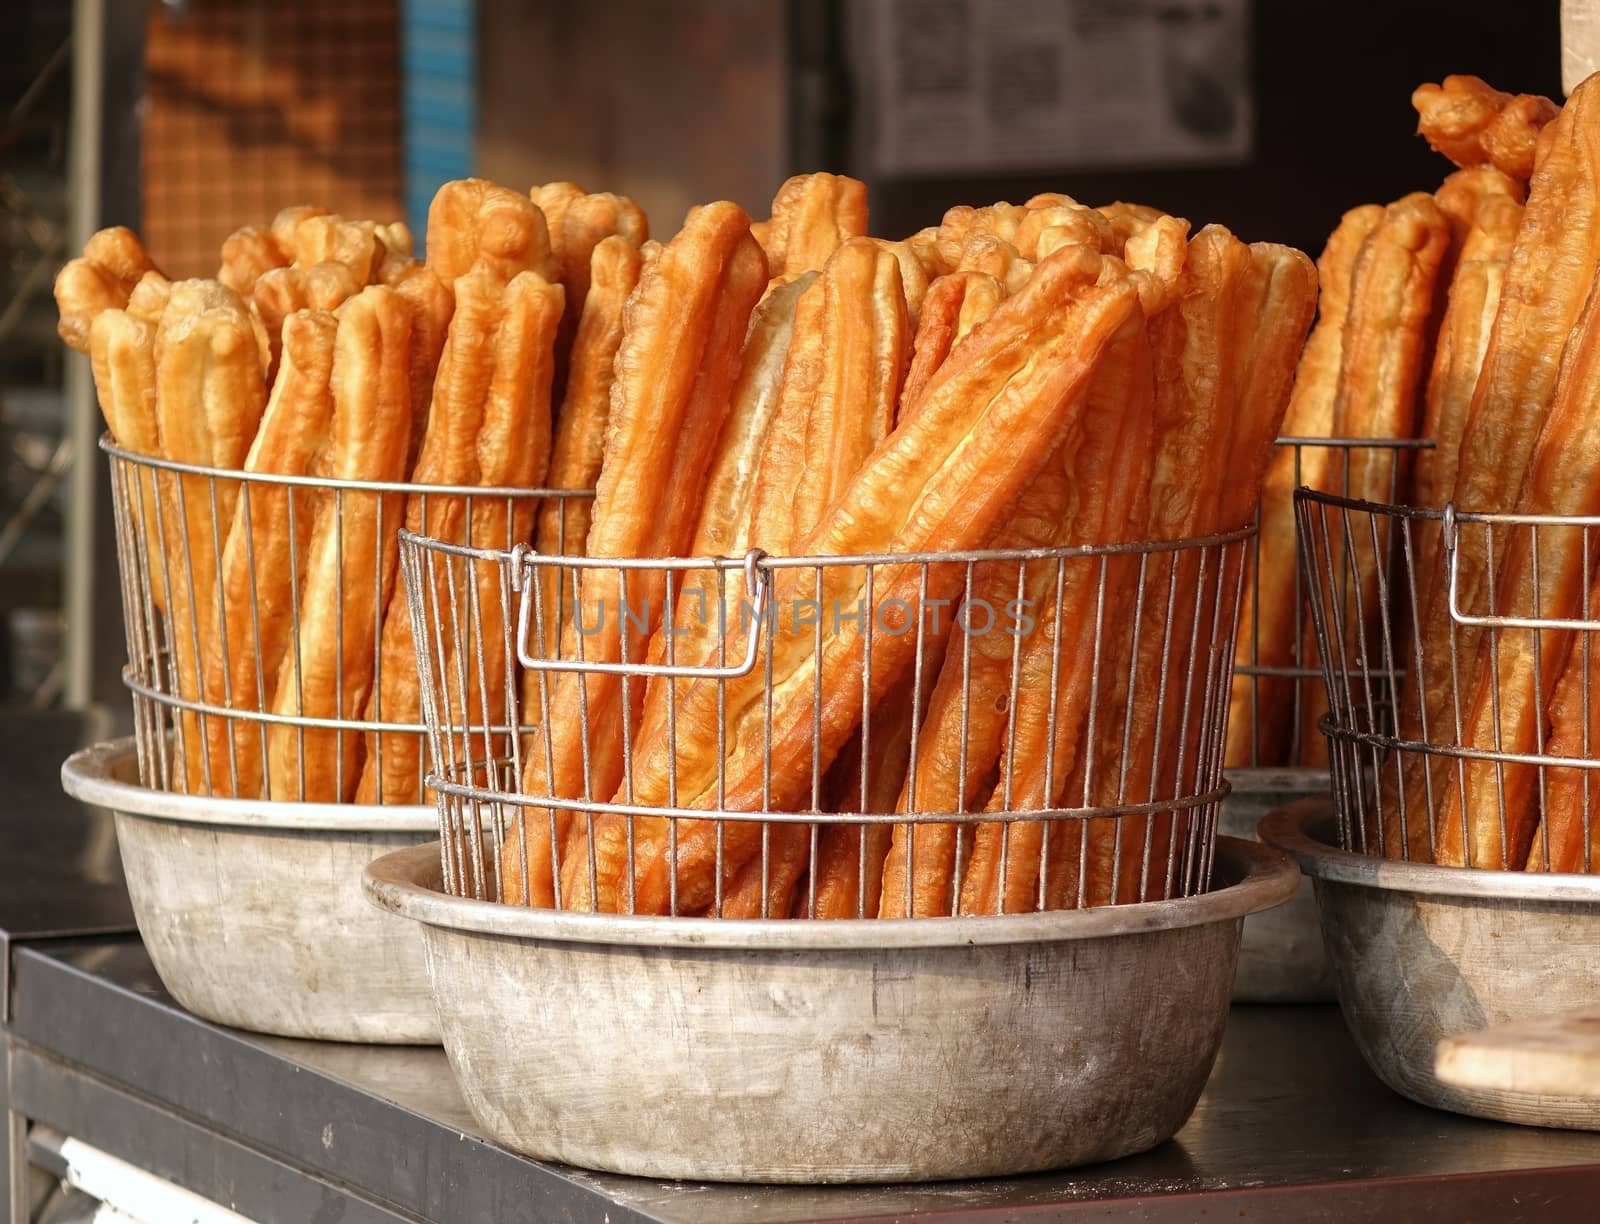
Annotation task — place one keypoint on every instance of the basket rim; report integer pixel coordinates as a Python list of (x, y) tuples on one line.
[(97, 775), (1252, 878), (109, 445), (1306, 830), (1447, 512), (420, 543)]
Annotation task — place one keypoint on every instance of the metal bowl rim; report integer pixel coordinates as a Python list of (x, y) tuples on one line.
[(1302, 829), (1268, 779), (1257, 878), (90, 775)]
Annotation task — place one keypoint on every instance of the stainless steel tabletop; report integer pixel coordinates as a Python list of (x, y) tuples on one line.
[(1290, 1122)]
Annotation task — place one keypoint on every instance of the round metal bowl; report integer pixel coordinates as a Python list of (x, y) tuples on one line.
[(1280, 954), (1421, 953), (252, 912), (860, 1050)]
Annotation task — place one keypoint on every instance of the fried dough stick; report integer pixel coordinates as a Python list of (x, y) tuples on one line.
[(1492, 808), (1471, 123), (1569, 836), (1547, 280), (209, 400), (266, 551), (580, 429), (956, 303), (473, 219), (1272, 593), (102, 278), (1106, 482), (996, 412), (327, 671), (675, 369), (813, 215), (841, 384), (1393, 292)]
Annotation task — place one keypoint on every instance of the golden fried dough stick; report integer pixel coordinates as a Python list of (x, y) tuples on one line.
[(112, 263), (1569, 839), (812, 216), (1138, 732), (576, 230), (266, 551), (1128, 221), (956, 303), (122, 356), (432, 304), (246, 254), (996, 411), (1471, 123), (913, 276), (724, 526), (1076, 224), (473, 219), (209, 400), (963, 223), (1107, 478), (1492, 808), (553, 200), (839, 392), (449, 455), (1271, 592), (327, 671), (1546, 282), (682, 332), (1394, 289), (286, 225), (998, 258), (924, 245), (973, 684), (513, 449), (148, 301), (325, 239), (847, 854), (836, 405), (279, 292), (726, 520), (1156, 255), (1474, 300)]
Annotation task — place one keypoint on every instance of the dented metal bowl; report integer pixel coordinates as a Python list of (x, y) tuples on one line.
[(252, 911), (815, 1051)]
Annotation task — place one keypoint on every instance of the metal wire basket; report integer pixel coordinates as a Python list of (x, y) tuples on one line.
[(813, 739), (261, 660), (1277, 676), (1457, 652)]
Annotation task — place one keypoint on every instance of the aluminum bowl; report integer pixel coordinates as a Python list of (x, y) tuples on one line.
[(849, 1051), (252, 911), (1421, 953), (1280, 955)]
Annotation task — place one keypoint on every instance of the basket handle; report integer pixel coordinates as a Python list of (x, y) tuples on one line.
[(758, 586), (1452, 567)]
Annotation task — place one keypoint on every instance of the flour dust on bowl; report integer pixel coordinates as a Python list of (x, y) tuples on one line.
[(252, 910), (1421, 953), (858, 1050)]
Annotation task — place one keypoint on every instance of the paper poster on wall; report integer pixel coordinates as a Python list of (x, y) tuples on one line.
[(981, 85)]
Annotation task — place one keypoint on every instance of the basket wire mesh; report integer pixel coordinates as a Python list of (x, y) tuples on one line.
[(1458, 650), (1277, 685), (256, 606), (895, 735)]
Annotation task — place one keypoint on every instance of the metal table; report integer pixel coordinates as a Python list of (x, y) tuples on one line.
[(1292, 1125)]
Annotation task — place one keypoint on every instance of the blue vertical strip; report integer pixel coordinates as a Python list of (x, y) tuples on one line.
[(438, 74)]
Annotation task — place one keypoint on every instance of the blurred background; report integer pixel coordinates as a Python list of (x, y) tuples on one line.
[(188, 118)]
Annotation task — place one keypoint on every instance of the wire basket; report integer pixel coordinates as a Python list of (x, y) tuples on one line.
[(1458, 650), (893, 735), (1277, 676), (262, 661)]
